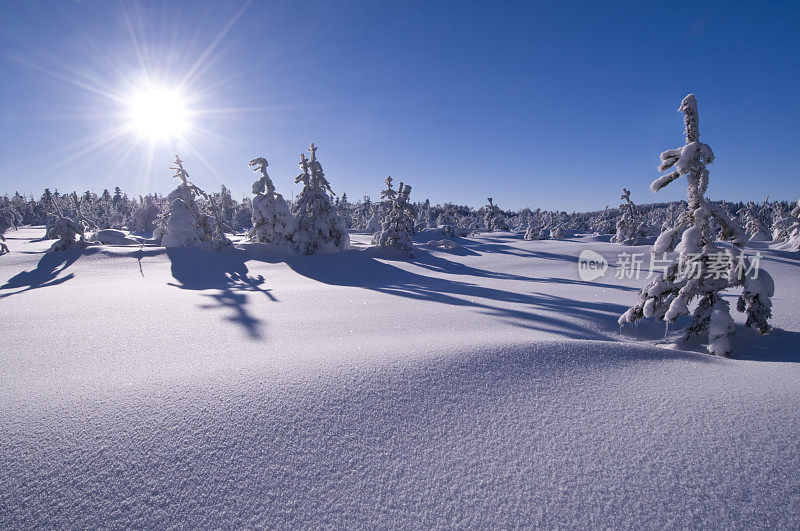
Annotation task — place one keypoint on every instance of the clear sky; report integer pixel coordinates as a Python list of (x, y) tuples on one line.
[(555, 104)]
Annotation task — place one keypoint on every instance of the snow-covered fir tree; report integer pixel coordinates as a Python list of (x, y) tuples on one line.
[(793, 231), (493, 218), (398, 226), (628, 229), (703, 269), (388, 195), (343, 209), (9, 218), (272, 220), (319, 227), (185, 225), (375, 221)]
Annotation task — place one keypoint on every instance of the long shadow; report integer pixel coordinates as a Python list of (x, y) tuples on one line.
[(575, 282), (361, 269), (440, 264), (224, 271), (46, 274), (502, 248)]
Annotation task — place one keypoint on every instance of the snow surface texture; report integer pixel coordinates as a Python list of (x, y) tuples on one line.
[(486, 386)]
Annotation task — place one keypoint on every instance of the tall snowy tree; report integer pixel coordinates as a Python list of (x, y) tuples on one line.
[(319, 227), (272, 220), (388, 195), (399, 224), (628, 230), (703, 270)]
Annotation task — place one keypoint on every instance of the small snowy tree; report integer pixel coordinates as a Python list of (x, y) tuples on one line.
[(184, 225), (494, 217), (605, 222), (375, 221), (8, 220), (272, 220), (65, 229), (703, 270), (628, 228), (319, 227), (146, 215), (793, 242), (399, 224)]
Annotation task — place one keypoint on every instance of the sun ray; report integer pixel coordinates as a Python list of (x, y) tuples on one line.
[(102, 140), (189, 75)]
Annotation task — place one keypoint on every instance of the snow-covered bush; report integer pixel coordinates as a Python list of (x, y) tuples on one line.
[(703, 270), (399, 224), (604, 224), (272, 220), (319, 227), (536, 232), (65, 230), (557, 232), (146, 215)]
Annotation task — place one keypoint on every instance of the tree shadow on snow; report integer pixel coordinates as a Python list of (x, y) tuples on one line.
[(361, 269), (224, 271), (486, 245), (777, 345), (46, 274)]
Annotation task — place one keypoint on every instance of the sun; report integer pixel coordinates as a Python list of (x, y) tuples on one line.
[(158, 114)]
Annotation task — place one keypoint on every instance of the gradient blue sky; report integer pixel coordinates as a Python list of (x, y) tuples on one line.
[(555, 105)]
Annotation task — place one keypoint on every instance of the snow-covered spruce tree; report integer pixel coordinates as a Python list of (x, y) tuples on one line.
[(627, 225), (343, 208), (793, 242), (388, 195), (375, 221), (494, 217), (184, 225), (703, 269), (319, 227), (272, 220), (8, 219), (399, 224)]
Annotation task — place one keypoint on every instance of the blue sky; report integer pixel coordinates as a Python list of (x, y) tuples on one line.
[(555, 105)]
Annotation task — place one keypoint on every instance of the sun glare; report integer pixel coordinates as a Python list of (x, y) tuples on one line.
[(158, 114)]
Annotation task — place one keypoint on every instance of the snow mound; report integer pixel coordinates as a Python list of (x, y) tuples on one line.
[(115, 237), (442, 244)]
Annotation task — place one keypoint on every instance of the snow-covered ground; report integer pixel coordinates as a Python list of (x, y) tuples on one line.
[(486, 385)]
